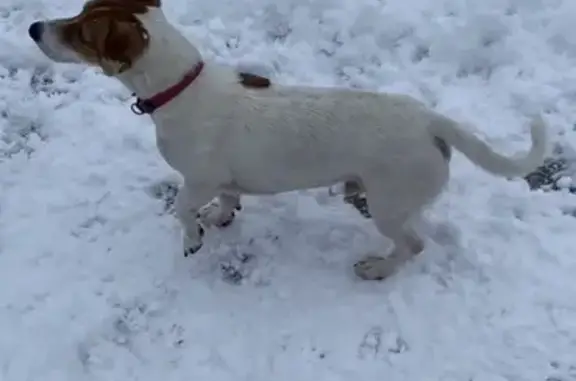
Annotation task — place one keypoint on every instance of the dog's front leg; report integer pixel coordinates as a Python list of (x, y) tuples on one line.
[(188, 202)]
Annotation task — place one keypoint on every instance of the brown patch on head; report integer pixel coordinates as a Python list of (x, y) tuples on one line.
[(107, 33), (253, 81)]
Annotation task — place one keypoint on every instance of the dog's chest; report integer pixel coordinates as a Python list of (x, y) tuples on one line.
[(163, 145), (176, 152), (185, 154)]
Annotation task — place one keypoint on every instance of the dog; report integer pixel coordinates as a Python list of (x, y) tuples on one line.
[(230, 135)]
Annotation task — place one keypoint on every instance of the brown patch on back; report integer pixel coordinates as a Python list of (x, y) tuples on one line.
[(253, 81), (107, 33)]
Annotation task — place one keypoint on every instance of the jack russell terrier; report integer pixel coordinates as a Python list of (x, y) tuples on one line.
[(229, 133)]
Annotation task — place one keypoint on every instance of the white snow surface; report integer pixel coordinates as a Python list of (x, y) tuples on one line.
[(94, 285)]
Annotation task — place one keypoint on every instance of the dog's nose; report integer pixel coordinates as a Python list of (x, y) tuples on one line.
[(35, 31)]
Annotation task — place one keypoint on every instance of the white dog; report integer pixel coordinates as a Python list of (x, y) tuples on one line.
[(229, 134)]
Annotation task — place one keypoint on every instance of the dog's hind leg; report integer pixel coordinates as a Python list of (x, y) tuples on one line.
[(393, 206), (406, 242)]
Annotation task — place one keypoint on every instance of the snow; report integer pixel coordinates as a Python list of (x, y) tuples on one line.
[(93, 282)]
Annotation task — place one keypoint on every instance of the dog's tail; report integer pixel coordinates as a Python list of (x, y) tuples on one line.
[(482, 155)]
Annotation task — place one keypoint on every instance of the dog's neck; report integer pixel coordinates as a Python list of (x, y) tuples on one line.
[(169, 57)]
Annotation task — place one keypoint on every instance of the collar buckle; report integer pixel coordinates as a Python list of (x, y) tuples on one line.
[(148, 106), (142, 106)]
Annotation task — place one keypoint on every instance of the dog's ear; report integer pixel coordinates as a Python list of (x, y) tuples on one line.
[(116, 39)]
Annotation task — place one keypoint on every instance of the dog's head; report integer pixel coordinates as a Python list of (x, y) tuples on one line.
[(106, 33)]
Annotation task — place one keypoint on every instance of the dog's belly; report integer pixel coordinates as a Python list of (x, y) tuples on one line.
[(258, 181), (291, 164), (258, 189)]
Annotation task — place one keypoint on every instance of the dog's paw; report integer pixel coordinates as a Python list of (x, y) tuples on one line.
[(373, 268), (226, 222), (213, 215), (192, 246)]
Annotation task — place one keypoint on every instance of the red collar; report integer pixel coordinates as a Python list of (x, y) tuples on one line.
[(148, 106)]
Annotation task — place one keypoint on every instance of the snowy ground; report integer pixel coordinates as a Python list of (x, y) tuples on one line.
[(94, 286)]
